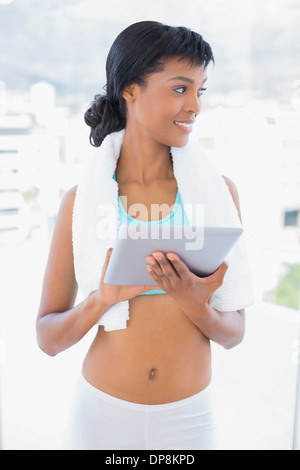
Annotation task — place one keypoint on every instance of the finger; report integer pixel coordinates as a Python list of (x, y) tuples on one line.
[(155, 276), (166, 268), (222, 269), (219, 274), (180, 267), (106, 261), (151, 260)]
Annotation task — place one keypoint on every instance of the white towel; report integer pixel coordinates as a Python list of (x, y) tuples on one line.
[(198, 183)]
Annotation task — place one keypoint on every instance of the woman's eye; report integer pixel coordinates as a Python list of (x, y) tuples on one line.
[(180, 90), (200, 92)]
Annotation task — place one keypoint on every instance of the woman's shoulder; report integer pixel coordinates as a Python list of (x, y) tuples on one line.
[(69, 196), (67, 204), (71, 192), (234, 193), (231, 186)]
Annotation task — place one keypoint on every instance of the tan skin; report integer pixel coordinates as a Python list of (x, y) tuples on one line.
[(164, 353)]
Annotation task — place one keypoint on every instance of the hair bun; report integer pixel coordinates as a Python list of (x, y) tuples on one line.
[(102, 118), (94, 113)]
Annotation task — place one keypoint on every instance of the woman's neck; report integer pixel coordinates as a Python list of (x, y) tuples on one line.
[(143, 160)]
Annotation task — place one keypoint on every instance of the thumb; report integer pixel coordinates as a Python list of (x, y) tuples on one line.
[(222, 269), (105, 264), (146, 288), (219, 274), (224, 266)]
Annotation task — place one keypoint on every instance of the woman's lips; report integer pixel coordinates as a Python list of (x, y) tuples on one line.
[(186, 126)]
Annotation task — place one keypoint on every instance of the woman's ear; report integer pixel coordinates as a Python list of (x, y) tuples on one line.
[(129, 93)]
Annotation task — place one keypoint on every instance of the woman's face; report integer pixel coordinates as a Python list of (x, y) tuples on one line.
[(165, 109)]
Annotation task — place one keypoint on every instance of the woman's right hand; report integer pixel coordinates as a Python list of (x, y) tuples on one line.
[(111, 294)]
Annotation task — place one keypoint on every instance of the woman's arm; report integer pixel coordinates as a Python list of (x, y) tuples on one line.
[(194, 294), (59, 324), (224, 328)]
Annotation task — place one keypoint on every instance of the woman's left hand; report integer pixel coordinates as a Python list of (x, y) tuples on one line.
[(173, 276)]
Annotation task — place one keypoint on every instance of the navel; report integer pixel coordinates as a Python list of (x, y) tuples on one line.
[(152, 374)]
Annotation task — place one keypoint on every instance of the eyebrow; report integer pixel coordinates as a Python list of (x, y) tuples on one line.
[(185, 79)]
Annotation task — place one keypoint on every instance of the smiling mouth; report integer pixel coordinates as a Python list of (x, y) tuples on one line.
[(186, 126)]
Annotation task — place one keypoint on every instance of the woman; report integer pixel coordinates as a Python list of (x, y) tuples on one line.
[(146, 378)]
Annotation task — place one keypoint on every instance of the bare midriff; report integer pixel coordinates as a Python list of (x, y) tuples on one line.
[(160, 357)]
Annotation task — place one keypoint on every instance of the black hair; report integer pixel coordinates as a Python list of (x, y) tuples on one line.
[(138, 51)]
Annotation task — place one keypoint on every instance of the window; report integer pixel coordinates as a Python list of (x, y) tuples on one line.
[(292, 218)]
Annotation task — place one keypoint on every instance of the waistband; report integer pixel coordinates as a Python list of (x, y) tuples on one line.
[(204, 395)]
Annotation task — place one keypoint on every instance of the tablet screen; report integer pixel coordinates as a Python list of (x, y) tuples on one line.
[(202, 249)]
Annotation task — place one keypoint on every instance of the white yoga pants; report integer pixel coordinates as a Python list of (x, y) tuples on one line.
[(101, 421)]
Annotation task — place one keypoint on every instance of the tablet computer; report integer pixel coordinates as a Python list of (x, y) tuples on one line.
[(202, 249)]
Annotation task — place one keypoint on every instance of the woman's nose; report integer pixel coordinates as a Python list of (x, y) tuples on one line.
[(193, 105)]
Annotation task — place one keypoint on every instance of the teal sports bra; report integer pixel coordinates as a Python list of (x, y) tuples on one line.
[(176, 217)]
